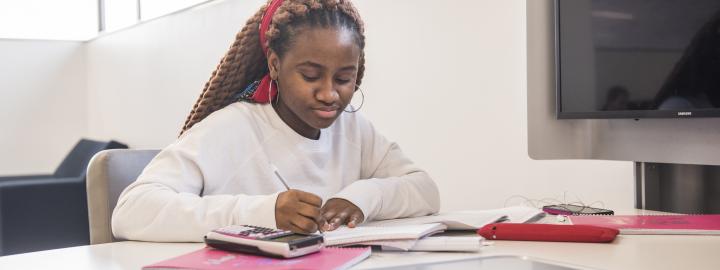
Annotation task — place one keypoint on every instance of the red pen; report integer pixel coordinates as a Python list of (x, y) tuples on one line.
[(548, 232)]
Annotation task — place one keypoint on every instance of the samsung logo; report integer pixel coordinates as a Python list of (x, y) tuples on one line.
[(684, 113)]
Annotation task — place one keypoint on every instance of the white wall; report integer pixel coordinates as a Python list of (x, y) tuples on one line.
[(445, 79), (449, 84), (43, 105), (144, 80)]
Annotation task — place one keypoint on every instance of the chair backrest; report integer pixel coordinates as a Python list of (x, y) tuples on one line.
[(76, 162), (109, 173)]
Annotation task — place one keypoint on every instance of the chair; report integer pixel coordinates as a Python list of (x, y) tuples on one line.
[(39, 212), (110, 171)]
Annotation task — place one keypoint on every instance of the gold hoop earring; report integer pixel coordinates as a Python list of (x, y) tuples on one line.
[(361, 102)]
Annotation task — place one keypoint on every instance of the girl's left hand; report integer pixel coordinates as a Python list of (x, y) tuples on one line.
[(337, 212)]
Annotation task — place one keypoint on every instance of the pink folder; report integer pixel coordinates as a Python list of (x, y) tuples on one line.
[(214, 259), (655, 224)]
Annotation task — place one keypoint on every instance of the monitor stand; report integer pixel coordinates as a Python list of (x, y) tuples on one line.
[(677, 188)]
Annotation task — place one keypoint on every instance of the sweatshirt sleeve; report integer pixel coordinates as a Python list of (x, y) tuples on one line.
[(391, 185), (165, 203)]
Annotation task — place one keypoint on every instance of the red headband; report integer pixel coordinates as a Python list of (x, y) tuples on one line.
[(266, 90), (265, 23)]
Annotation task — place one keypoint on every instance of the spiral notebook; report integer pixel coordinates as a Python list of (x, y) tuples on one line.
[(215, 259), (655, 224)]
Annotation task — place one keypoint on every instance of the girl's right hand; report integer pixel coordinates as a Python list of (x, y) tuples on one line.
[(298, 211)]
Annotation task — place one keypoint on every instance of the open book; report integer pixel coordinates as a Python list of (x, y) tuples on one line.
[(411, 233), (470, 219), (350, 236)]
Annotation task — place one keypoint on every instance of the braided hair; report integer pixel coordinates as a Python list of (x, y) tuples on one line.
[(245, 62)]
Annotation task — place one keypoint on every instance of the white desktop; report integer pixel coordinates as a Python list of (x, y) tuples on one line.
[(652, 252)]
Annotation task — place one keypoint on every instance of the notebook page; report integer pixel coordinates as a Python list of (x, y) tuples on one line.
[(402, 245), (453, 220), (469, 219), (514, 214), (449, 243), (432, 243), (345, 235)]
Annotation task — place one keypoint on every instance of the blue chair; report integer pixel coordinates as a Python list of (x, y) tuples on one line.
[(39, 212)]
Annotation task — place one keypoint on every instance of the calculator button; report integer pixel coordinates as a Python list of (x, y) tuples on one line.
[(255, 232)]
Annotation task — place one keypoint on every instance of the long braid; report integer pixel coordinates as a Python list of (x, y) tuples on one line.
[(245, 62), (238, 67)]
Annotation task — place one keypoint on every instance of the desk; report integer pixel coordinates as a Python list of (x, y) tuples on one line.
[(627, 252), (653, 252)]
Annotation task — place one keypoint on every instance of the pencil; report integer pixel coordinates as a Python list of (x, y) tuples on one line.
[(275, 171)]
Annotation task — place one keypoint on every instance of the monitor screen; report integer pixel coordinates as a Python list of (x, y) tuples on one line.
[(638, 58)]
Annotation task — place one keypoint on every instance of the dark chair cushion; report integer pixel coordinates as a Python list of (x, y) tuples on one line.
[(75, 163), (39, 212)]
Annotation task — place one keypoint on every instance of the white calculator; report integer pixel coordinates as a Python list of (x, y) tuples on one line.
[(264, 241)]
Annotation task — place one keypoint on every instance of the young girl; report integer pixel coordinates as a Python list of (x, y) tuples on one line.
[(277, 107)]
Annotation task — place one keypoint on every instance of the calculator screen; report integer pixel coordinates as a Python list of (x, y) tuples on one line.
[(288, 238)]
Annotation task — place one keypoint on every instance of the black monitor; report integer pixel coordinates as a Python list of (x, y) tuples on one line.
[(637, 58)]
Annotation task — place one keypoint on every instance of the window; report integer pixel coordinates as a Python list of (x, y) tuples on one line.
[(49, 19), (117, 14), (79, 19), (156, 8)]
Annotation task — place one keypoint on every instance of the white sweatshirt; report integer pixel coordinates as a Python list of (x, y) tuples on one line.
[(218, 173)]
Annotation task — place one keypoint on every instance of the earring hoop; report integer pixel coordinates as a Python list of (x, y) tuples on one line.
[(277, 97), (361, 102)]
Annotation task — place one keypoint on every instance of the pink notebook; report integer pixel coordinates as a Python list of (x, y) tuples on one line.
[(214, 259), (651, 224)]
